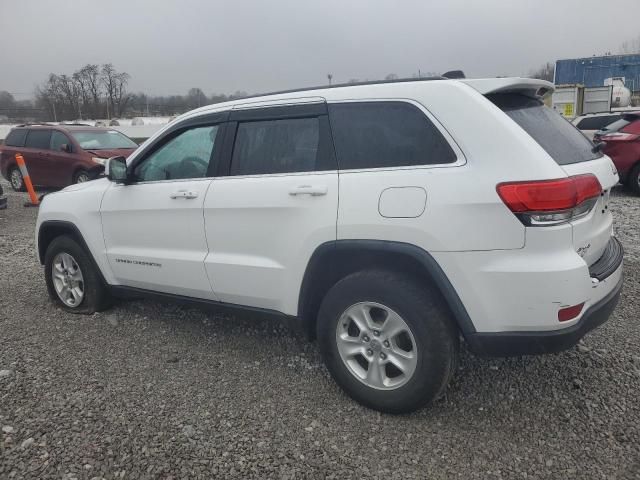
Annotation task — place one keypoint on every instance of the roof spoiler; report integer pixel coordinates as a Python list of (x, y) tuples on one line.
[(531, 87)]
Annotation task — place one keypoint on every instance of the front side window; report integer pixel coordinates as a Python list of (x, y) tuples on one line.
[(386, 134), (16, 137), (58, 139), (277, 146), (38, 139), (185, 156), (102, 140)]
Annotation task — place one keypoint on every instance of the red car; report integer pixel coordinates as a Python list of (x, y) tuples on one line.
[(622, 143), (59, 155)]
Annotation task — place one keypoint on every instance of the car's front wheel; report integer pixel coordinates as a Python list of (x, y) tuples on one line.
[(387, 340), (16, 180), (81, 176), (73, 281)]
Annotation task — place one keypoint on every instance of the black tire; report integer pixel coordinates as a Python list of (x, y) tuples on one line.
[(96, 296), (430, 323), (13, 175), (633, 179), (81, 176)]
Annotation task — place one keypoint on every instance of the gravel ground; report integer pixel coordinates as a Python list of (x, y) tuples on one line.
[(149, 390)]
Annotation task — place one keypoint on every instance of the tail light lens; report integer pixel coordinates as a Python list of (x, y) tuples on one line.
[(551, 202), (619, 137)]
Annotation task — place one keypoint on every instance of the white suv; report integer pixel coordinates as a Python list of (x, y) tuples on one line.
[(389, 219)]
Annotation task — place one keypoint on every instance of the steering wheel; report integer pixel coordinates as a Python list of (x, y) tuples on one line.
[(196, 160)]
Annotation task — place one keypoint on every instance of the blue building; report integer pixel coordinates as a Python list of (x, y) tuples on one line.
[(592, 71)]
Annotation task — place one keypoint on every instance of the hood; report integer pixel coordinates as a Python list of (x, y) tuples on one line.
[(116, 152)]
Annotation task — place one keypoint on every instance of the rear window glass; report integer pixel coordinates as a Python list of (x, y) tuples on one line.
[(16, 137), (38, 139), (620, 124), (386, 134), (596, 123), (561, 140)]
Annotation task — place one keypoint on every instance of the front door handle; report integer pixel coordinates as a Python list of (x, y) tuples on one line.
[(313, 190), (184, 194)]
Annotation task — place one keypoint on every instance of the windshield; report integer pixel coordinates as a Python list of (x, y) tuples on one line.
[(103, 140), (562, 141)]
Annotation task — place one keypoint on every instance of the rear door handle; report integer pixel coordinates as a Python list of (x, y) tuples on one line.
[(184, 194), (313, 190)]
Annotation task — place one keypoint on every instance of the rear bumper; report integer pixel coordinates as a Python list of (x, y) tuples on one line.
[(505, 344)]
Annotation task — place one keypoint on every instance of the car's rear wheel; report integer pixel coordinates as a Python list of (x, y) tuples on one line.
[(633, 180), (16, 180), (387, 340), (73, 281), (81, 176)]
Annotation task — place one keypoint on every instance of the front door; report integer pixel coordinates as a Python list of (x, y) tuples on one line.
[(154, 228), (275, 204)]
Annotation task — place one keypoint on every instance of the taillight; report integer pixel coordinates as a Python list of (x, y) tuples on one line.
[(619, 137), (569, 313), (550, 202)]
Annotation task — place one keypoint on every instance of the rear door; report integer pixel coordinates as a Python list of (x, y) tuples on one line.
[(276, 202), (35, 153), (576, 155)]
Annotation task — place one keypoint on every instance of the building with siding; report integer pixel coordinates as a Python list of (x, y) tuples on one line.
[(594, 71)]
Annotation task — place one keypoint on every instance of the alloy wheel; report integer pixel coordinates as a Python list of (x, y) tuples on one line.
[(376, 345), (67, 279)]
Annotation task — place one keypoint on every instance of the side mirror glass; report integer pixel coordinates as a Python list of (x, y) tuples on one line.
[(116, 169), (65, 147)]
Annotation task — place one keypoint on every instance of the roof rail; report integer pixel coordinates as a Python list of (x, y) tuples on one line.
[(35, 124), (339, 85), (75, 125)]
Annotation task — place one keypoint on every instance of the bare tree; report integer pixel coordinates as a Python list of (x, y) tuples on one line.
[(88, 78), (196, 98), (391, 76), (630, 46), (544, 72), (115, 84)]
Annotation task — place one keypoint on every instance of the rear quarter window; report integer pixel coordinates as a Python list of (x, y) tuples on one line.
[(561, 140), (386, 134), (16, 137)]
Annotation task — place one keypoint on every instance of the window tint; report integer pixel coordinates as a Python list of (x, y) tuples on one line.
[(58, 139), (185, 156), (386, 134), (633, 127), (277, 146), (596, 123), (16, 137), (38, 139), (562, 141), (620, 124)]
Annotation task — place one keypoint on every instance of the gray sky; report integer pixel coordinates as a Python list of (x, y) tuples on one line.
[(169, 46)]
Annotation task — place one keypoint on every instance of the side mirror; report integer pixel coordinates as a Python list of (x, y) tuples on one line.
[(116, 169), (65, 147)]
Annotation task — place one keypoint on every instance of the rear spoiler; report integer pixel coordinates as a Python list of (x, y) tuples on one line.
[(527, 86)]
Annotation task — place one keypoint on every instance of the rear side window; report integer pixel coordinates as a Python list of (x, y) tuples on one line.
[(562, 141), (281, 146), (38, 139), (16, 137), (386, 134), (596, 123)]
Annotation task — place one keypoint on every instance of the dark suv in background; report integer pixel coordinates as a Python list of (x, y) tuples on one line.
[(59, 155)]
